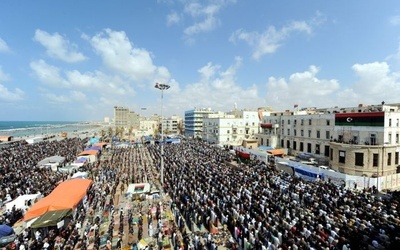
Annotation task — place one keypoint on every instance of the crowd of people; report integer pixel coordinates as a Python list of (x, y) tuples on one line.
[(262, 208), (267, 209)]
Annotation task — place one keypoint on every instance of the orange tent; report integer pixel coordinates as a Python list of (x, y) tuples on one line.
[(100, 144), (89, 152), (67, 195), (276, 152)]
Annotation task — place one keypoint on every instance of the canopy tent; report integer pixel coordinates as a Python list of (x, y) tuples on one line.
[(51, 218), (100, 144), (94, 140), (89, 152), (6, 230), (81, 159), (68, 168), (79, 174), (51, 159), (93, 148), (20, 201), (276, 152), (66, 195), (5, 138)]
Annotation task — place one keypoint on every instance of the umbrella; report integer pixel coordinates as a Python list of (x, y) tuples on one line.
[(6, 230)]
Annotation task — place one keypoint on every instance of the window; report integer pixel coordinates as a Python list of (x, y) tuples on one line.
[(342, 156), (228, 131), (396, 158), (331, 155), (295, 145), (328, 122), (301, 146), (318, 134), (309, 133), (295, 132), (327, 135), (397, 122), (302, 122), (288, 122), (389, 159), (288, 132), (359, 159), (310, 122), (390, 122), (283, 122), (375, 158), (302, 132), (397, 138), (390, 138), (308, 147), (295, 122), (288, 144), (326, 151), (282, 143)]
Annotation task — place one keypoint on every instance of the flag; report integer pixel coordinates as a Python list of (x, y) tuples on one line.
[(296, 105)]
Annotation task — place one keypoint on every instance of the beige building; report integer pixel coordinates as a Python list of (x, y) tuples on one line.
[(361, 140)]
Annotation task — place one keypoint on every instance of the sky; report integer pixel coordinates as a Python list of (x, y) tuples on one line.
[(75, 60)]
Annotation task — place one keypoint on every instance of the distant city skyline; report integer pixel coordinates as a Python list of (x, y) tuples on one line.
[(80, 59)]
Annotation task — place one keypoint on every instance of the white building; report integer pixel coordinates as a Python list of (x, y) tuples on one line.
[(172, 125), (363, 140), (230, 128)]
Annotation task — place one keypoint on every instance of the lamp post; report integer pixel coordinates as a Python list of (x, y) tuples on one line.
[(162, 87)]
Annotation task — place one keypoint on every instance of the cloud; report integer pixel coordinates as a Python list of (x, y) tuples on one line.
[(173, 18), (3, 46), (48, 74), (269, 41), (303, 88), (216, 88), (376, 83), (202, 16), (6, 94), (119, 55), (58, 47)]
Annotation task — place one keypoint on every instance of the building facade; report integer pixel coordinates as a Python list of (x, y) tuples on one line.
[(361, 140), (194, 121)]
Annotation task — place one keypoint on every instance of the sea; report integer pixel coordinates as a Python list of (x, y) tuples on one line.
[(39, 128)]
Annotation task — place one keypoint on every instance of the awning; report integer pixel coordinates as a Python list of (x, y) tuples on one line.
[(89, 152), (276, 152), (51, 218)]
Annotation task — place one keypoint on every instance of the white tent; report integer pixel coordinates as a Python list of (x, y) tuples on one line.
[(79, 174), (19, 202)]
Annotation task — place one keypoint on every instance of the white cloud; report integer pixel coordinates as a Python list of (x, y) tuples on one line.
[(302, 88), (216, 89), (58, 47), (268, 41), (204, 16), (3, 46), (48, 74), (119, 55), (376, 83), (6, 94), (173, 18)]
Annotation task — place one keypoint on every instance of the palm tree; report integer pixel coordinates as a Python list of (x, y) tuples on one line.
[(110, 133), (130, 132), (102, 133)]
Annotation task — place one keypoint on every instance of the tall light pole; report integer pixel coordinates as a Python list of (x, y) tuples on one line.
[(162, 87)]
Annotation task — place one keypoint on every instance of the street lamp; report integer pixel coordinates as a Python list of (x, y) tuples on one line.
[(162, 87)]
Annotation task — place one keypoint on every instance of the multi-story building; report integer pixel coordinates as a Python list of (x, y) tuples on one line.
[(361, 140), (230, 128), (171, 124), (121, 116), (194, 121)]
